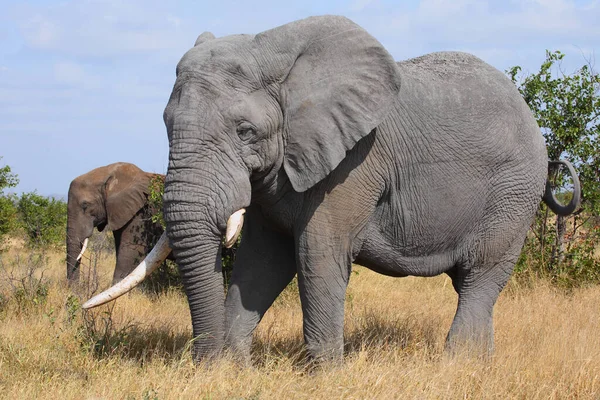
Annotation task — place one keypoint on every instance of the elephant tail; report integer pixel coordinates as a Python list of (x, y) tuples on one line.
[(551, 200)]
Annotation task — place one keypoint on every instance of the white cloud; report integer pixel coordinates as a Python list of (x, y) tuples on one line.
[(103, 28), (40, 31), (176, 22), (77, 76), (70, 73), (498, 31), (135, 89)]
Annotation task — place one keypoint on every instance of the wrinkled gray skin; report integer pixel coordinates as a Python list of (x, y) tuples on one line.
[(429, 166), (115, 197)]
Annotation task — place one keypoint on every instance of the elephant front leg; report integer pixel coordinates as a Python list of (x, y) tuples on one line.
[(264, 266), (323, 273)]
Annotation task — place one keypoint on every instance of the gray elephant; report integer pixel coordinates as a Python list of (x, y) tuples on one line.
[(115, 197), (339, 154)]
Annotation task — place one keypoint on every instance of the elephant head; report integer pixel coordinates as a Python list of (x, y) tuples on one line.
[(248, 112), (106, 197)]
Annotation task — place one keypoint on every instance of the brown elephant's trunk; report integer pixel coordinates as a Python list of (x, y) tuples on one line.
[(79, 229), (74, 246)]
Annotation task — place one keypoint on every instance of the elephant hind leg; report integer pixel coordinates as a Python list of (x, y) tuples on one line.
[(478, 289)]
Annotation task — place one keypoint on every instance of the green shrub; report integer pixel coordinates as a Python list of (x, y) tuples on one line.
[(156, 191), (8, 210), (8, 214), (44, 219), (7, 178), (567, 110)]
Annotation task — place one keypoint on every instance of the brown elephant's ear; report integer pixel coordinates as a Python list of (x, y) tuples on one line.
[(340, 84), (126, 193)]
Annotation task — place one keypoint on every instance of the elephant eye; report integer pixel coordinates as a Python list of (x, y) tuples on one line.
[(84, 205), (246, 131)]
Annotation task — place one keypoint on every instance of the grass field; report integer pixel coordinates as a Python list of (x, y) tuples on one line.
[(547, 344)]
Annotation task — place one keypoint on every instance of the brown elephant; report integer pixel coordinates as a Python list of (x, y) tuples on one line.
[(114, 197)]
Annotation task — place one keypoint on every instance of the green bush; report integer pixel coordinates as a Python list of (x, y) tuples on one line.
[(44, 219), (7, 178), (8, 214), (567, 109), (156, 190), (8, 210)]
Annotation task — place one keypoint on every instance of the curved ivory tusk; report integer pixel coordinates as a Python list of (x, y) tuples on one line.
[(158, 254), (85, 243), (234, 227)]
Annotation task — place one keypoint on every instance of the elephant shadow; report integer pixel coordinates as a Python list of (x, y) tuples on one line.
[(368, 332), (371, 333), (374, 332)]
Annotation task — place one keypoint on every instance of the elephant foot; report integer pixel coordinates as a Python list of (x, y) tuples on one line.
[(470, 344), (205, 350), (325, 354), (239, 353)]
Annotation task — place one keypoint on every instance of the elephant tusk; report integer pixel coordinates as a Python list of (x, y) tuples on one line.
[(234, 227), (158, 254), (85, 243)]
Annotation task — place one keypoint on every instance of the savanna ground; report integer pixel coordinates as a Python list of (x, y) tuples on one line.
[(547, 343)]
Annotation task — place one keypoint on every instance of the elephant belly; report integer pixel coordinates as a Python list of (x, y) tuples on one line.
[(427, 226), (385, 259)]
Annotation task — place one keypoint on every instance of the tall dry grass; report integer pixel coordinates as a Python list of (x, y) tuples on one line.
[(547, 345)]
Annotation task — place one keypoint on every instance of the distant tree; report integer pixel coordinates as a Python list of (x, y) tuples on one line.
[(567, 109), (8, 211), (7, 178), (44, 219)]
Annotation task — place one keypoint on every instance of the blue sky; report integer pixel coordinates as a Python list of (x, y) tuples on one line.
[(84, 83)]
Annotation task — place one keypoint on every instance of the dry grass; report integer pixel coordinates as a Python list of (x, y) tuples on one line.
[(547, 346)]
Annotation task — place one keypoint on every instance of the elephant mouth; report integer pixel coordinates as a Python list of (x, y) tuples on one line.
[(155, 258)]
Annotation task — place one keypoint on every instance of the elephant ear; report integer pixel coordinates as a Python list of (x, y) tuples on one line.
[(126, 192), (340, 85)]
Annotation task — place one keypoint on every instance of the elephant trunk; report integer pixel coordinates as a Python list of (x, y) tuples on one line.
[(201, 197), (198, 256), (74, 246)]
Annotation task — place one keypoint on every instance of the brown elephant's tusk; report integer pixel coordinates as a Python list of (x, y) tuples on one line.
[(234, 227), (158, 254), (85, 243)]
